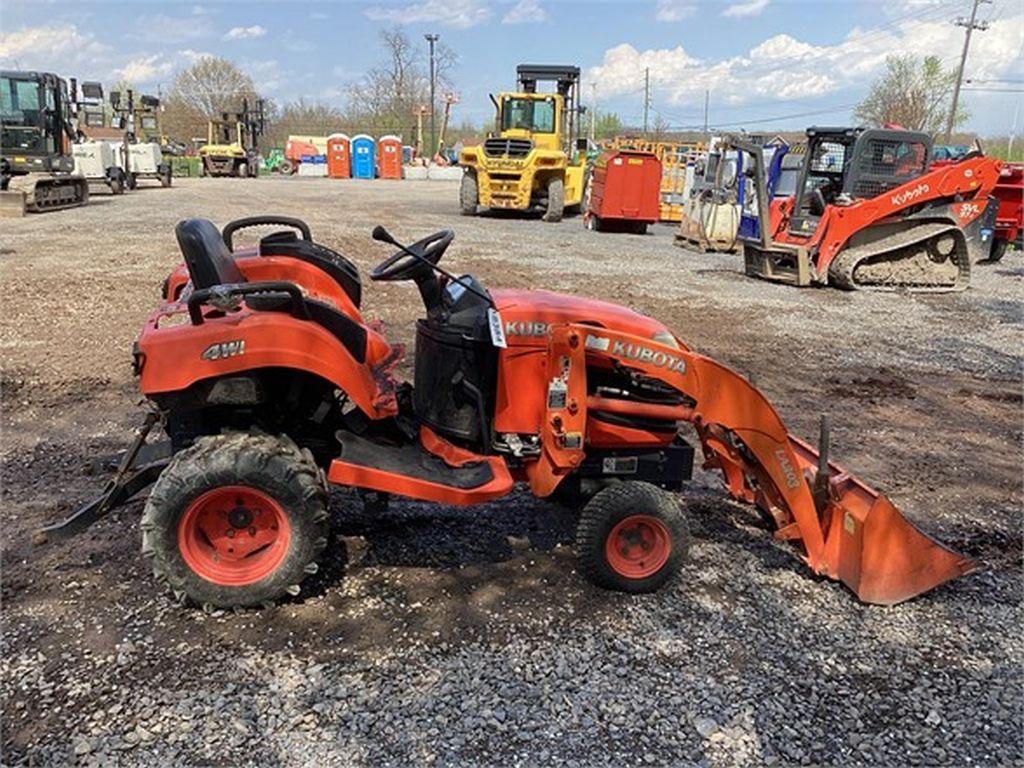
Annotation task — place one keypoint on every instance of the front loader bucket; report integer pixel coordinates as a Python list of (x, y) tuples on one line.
[(883, 558)]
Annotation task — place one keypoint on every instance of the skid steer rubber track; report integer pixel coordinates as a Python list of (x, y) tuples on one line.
[(45, 192), (929, 258)]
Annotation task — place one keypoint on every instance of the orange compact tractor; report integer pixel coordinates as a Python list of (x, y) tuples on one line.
[(272, 388), (868, 213)]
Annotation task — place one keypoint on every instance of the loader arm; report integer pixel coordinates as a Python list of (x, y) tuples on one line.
[(850, 532)]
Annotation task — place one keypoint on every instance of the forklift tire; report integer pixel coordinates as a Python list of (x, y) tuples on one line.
[(631, 537), (243, 170), (469, 194), (556, 199), (236, 520)]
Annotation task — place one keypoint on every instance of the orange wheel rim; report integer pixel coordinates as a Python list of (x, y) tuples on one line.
[(638, 546), (234, 535)]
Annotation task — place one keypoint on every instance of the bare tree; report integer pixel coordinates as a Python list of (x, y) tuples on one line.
[(384, 101), (914, 93), (206, 89), (306, 118)]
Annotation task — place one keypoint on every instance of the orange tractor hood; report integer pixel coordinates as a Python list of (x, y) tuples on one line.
[(531, 313)]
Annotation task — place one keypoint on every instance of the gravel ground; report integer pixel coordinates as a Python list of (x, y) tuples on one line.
[(464, 636)]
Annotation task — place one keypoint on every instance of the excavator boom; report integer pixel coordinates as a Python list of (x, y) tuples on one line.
[(848, 531)]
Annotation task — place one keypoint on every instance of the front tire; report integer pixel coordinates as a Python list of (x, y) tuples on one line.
[(469, 194), (631, 537), (236, 520), (556, 199)]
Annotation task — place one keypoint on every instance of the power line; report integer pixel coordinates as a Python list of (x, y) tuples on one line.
[(971, 25)]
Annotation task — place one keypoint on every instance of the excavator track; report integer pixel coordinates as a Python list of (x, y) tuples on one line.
[(928, 258), (44, 192)]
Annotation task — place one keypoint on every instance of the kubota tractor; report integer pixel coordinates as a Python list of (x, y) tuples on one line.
[(868, 212), (272, 388)]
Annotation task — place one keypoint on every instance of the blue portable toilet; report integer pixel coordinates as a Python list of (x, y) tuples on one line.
[(364, 157)]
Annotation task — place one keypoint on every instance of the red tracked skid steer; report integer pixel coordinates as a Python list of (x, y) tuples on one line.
[(271, 387)]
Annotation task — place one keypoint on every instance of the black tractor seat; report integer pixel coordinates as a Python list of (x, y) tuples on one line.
[(340, 269), (210, 263)]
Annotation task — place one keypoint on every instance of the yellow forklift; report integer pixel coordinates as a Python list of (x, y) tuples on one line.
[(534, 160), (231, 147)]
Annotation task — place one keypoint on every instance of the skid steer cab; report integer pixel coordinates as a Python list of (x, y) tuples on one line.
[(271, 387)]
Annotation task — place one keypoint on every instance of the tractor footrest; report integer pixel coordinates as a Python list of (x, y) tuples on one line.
[(790, 266), (445, 474)]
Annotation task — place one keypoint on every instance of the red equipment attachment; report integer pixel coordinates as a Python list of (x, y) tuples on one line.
[(625, 191), (1009, 191)]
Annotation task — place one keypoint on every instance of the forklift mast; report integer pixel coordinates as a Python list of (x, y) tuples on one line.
[(567, 84)]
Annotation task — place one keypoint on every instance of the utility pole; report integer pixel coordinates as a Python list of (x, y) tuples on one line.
[(707, 99), (593, 112), (431, 39), (971, 24), (647, 97)]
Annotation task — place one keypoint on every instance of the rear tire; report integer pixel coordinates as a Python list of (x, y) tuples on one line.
[(469, 194), (236, 520), (631, 537), (556, 199)]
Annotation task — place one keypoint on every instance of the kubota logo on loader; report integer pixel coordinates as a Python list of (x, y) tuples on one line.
[(910, 194), (639, 353), (223, 349)]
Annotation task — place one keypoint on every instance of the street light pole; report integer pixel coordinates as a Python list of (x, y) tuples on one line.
[(431, 39)]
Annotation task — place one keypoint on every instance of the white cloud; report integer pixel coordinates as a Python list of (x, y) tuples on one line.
[(40, 47), (674, 10), (145, 69), (784, 68), (744, 9), (245, 33), (460, 14), (525, 12)]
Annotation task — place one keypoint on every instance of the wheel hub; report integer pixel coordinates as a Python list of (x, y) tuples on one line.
[(638, 546), (234, 535)]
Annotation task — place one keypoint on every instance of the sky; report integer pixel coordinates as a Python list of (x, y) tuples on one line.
[(766, 64)]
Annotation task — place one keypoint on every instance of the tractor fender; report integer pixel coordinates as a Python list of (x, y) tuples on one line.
[(173, 355)]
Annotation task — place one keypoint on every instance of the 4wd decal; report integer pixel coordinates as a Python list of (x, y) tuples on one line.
[(223, 349)]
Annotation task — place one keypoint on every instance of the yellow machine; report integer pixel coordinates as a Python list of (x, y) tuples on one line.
[(532, 161), (231, 143)]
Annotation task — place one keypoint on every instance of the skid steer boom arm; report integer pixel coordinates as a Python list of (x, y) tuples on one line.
[(848, 530)]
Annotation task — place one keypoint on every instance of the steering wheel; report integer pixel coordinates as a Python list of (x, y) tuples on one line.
[(403, 266)]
